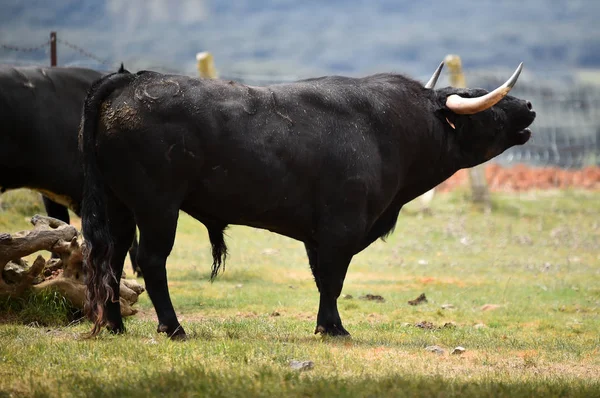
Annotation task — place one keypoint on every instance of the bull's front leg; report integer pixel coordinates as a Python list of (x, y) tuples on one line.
[(329, 268)]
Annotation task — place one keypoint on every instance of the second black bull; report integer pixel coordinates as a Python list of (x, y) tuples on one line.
[(40, 113)]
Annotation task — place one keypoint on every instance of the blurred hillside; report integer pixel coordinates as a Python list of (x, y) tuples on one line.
[(305, 38)]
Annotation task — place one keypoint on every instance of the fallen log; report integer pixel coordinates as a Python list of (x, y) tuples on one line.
[(63, 273)]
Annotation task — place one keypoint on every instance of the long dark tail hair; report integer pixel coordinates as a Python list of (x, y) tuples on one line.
[(98, 248)]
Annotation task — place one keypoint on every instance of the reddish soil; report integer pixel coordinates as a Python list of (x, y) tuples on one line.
[(521, 178)]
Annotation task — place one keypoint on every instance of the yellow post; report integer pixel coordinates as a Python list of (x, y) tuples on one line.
[(479, 187), (206, 65), (453, 64)]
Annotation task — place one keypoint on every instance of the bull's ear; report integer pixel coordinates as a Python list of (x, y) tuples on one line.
[(122, 69)]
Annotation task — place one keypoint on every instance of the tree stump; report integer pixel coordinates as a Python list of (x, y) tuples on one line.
[(64, 272)]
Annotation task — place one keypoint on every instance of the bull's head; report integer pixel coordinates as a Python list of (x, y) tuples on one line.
[(484, 124)]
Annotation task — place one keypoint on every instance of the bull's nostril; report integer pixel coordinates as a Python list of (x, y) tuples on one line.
[(529, 106)]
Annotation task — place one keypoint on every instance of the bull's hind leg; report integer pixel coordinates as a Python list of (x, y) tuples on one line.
[(56, 210), (133, 256), (157, 235), (122, 230)]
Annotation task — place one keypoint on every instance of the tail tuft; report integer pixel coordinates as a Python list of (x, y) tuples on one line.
[(219, 250)]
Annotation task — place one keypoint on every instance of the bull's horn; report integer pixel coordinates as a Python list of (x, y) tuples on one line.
[(434, 78), (470, 106)]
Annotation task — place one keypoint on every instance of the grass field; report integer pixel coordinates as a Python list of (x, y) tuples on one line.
[(518, 288)]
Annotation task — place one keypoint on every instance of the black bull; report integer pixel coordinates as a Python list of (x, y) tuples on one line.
[(327, 161), (40, 112)]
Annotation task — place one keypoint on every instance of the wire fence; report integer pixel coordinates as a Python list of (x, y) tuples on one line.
[(566, 130)]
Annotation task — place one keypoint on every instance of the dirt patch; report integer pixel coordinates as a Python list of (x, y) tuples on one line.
[(419, 300), (372, 297), (523, 178)]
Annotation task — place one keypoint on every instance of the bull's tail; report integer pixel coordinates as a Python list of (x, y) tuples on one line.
[(98, 240)]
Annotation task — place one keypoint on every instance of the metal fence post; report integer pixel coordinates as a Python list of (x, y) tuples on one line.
[(52, 48)]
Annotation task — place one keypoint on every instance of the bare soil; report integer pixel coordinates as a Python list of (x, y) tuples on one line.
[(522, 178)]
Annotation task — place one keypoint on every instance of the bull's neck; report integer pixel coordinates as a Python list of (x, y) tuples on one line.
[(435, 160)]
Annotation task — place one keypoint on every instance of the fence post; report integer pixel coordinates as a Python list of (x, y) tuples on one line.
[(479, 188), (52, 48), (206, 65)]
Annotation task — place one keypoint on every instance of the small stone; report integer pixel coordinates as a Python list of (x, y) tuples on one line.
[(449, 325), (448, 306), (405, 324), (479, 326), (465, 240), (301, 365), (239, 286), (423, 262), (347, 296), (458, 350), (436, 349), (546, 267), (490, 307), (275, 313)]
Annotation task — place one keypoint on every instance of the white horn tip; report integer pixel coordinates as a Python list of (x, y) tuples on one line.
[(434, 78), (513, 79)]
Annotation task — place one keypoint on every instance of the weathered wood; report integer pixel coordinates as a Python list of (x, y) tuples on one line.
[(64, 274)]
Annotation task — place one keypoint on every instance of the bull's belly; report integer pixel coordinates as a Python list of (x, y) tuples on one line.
[(290, 220), (64, 200)]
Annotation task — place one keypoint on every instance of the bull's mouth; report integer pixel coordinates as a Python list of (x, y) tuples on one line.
[(523, 136)]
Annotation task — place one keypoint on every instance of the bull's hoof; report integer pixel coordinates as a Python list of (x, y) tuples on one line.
[(115, 328), (174, 333), (334, 330)]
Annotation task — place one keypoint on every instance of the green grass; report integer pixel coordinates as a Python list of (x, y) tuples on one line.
[(535, 257), (48, 308), (17, 207)]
